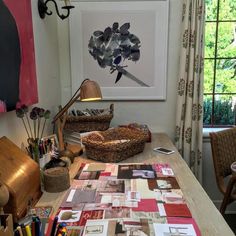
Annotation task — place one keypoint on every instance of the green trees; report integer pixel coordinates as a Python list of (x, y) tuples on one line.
[(220, 62)]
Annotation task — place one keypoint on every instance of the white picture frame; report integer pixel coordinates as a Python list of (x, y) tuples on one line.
[(148, 21)]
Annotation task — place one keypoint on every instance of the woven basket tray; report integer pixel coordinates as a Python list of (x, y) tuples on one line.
[(89, 123), (114, 145)]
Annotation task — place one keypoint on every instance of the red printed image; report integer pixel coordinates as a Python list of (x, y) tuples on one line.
[(18, 84)]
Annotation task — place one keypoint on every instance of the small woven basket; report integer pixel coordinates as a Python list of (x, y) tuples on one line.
[(56, 179), (89, 123), (114, 145)]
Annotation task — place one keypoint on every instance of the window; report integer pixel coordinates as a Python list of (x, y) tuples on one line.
[(220, 63)]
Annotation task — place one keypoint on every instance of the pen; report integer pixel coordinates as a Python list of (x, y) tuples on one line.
[(33, 228), (54, 226)]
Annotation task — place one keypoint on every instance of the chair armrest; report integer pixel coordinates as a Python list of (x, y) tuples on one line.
[(230, 184), (227, 195)]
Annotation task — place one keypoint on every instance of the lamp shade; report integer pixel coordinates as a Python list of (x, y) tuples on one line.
[(90, 91)]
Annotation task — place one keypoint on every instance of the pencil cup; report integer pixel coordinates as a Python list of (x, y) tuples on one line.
[(56, 179)]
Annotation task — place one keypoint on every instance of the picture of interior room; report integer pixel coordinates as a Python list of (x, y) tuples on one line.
[(117, 117)]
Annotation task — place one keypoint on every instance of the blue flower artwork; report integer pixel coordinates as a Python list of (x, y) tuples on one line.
[(113, 46)]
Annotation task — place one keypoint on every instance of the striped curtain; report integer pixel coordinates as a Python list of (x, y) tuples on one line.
[(189, 115)]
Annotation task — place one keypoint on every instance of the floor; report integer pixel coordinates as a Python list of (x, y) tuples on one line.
[(231, 220)]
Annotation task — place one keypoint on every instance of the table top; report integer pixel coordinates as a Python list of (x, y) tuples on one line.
[(208, 218)]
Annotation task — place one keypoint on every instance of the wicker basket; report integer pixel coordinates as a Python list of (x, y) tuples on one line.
[(56, 179), (89, 123), (114, 145)]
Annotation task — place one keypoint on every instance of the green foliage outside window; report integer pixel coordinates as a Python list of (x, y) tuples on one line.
[(224, 112), (223, 62)]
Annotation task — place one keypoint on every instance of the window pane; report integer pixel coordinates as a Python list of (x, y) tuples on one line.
[(226, 39), (207, 99), (225, 79), (224, 112), (227, 10), (211, 9), (210, 33), (208, 75)]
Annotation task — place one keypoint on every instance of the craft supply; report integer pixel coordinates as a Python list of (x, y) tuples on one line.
[(41, 211), (32, 226), (71, 195), (48, 227), (28, 230), (61, 229), (37, 226), (54, 225)]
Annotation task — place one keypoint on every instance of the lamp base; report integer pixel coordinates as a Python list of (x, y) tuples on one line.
[(42, 8)]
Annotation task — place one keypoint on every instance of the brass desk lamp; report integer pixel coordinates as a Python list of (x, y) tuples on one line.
[(88, 91)]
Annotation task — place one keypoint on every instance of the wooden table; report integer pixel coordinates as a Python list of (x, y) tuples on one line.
[(208, 218)]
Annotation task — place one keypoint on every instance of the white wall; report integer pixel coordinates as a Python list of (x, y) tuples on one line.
[(158, 115), (47, 67)]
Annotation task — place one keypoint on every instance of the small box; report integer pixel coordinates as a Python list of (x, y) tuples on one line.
[(21, 174)]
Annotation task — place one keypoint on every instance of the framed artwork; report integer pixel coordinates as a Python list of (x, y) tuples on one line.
[(18, 83), (122, 46)]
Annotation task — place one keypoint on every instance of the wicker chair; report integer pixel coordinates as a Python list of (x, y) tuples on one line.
[(223, 146)]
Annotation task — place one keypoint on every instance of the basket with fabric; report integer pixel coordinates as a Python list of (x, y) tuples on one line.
[(114, 145), (85, 123)]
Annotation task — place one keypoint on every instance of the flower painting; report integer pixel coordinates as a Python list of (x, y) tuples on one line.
[(121, 46), (113, 46)]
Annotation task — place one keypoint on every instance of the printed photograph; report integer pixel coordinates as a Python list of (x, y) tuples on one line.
[(96, 228), (174, 196), (163, 184), (132, 227), (111, 186), (69, 216), (90, 215), (88, 175), (117, 212), (136, 171)]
